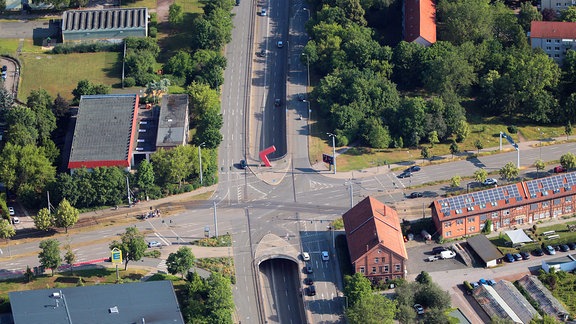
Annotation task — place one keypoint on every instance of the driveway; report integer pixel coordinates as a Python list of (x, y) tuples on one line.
[(31, 29)]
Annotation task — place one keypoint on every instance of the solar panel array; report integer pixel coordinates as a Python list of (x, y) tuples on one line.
[(479, 199), (541, 187)]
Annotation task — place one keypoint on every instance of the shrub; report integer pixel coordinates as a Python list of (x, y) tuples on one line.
[(129, 82), (153, 32), (341, 140), (468, 286), (512, 129)]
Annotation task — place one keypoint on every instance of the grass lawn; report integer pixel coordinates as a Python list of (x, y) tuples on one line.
[(61, 73), (150, 4), (503, 243), (565, 290), (9, 46), (190, 6)]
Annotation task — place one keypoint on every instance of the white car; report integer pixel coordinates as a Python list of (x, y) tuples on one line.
[(263, 12), (280, 44), (15, 220), (419, 309), (154, 244), (325, 256), (11, 211), (305, 256), (490, 182)]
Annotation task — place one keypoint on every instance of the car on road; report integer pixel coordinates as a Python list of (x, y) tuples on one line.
[(309, 269), (559, 169), (305, 256), (308, 281), (415, 195), (301, 97), (525, 255), (490, 182), (152, 244), (277, 102), (11, 211), (564, 248), (311, 291), (237, 2), (538, 252), (517, 256), (438, 250), (419, 309), (405, 175), (15, 220), (325, 256), (413, 168), (550, 250), (263, 12), (509, 257), (280, 44), (243, 164)]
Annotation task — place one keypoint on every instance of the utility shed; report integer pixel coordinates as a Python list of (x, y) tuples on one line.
[(173, 122), (139, 302), (485, 249), (104, 25)]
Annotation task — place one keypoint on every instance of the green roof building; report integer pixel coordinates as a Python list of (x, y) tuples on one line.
[(104, 25)]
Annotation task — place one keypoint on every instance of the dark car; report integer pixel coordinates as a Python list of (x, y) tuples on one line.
[(509, 257), (517, 256), (309, 269), (311, 291), (237, 2), (538, 252), (564, 248), (413, 168), (301, 97), (4, 68), (309, 281), (243, 164), (405, 175), (415, 195), (438, 249), (557, 247), (277, 102), (262, 53), (559, 169), (525, 255), (572, 245)]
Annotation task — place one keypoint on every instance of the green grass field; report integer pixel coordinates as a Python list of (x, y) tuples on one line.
[(61, 73)]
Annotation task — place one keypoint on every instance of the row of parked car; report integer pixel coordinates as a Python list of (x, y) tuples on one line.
[(550, 249)]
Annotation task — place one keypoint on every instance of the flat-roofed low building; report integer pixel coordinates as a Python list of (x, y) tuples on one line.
[(104, 24), (105, 132), (173, 122), (489, 254)]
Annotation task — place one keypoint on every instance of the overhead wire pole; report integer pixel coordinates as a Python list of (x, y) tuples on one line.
[(200, 160), (333, 150)]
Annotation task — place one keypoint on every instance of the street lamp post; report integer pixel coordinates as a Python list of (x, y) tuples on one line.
[(333, 149), (200, 160)]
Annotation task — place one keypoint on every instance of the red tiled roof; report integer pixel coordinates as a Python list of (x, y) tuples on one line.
[(419, 20), (370, 223), (553, 29)]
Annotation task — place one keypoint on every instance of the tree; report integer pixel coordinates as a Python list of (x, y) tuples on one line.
[(539, 164), (568, 14), (462, 131), (406, 314), (6, 229), (568, 161), (509, 171), (433, 138), (70, 257), (423, 278), (219, 303), (50, 254), (455, 181), (132, 245), (145, 176), (66, 215), (480, 175), (435, 316), (175, 14), (478, 144), (568, 129), (181, 261), (355, 287), (44, 220), (85, 87), (6, 99), (157, 88), (61, 107), (432, 295), (528, 13), (376, 135), (372, 309), (454, 149), (424, 152)]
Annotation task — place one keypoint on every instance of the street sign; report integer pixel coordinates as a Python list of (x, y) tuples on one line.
[(116, 256), (328, 159), (509, 139)]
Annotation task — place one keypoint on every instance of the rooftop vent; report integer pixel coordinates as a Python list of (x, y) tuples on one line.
[(113, 310)]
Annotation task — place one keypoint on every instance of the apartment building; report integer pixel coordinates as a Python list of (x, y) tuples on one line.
[(555, 38)]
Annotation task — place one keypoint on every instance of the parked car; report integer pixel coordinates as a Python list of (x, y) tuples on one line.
[(559, 169), (301, 97), (280, 44), (525, 255), (308, 281), (509, 257), (564, 248), (305, 256), (312, 290), (413, 168), (550, 250), (556, 247), (243, 164), (309, 269), (517, 256), (572, 245), (263, 12), (538, 252), (11, 211), (447, 254), (4, 68), (325, 256), (415, 195), (432, 258), (15, 220), (491, 282), (405, 175), (483, 281), (152, 244), (490, 182), (419, 309), (439, 249), (237, 2), (262, 53)]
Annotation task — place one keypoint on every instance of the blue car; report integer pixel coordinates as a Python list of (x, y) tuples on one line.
[(509, 257)]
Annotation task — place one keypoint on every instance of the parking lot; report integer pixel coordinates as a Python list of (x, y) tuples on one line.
[(418, 253)]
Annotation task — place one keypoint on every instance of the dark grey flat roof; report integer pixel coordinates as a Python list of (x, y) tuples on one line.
[(103, 128), (104, 19), (140, 302), (172, 123), (485, 249)]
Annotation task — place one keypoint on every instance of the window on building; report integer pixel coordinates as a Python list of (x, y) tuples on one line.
[(568, 209), (471, 219), (533, 206), (361, 269), (483, 218), (557, 41), (373, 269), (545, 204), (506, 212), (548, 48), (557, 201), (381, 269), (495, 215), (568, 199), (386, 269), (397, 268), (549, 40), (506, 221), (472, 228), (556, 48), (449, 233), (555, 55), (375, 260), (447, 224), (459, 221)]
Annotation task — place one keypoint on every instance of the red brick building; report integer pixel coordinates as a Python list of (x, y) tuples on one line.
[(505, 206), (375, 241)]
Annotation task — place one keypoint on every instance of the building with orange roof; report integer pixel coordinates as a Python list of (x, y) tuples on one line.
[(419, 24), (505, 206), (555, 38), (375, 241)]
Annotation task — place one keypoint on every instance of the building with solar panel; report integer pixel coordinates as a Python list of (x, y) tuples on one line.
[(505, 206), (104, 25)]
